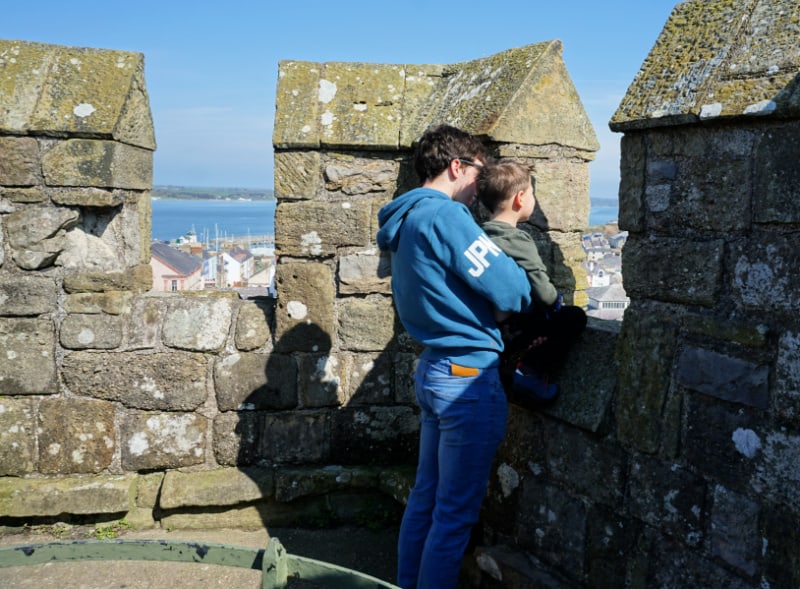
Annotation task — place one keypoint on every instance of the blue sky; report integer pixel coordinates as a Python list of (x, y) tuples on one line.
[(211, 67)]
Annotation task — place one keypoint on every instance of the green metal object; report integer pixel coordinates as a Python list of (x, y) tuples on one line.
[(276, 565)]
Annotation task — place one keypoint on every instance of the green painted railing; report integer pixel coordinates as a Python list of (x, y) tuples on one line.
[(276, 565)]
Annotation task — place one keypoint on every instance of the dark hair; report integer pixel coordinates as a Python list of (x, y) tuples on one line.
[(500, 180), (439, 146)]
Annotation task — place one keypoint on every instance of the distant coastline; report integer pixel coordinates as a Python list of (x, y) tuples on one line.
[(171, 192)]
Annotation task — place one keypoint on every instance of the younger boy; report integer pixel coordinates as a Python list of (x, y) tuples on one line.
[(537, 340)]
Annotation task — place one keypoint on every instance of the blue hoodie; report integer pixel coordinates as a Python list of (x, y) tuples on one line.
[(447, 276)]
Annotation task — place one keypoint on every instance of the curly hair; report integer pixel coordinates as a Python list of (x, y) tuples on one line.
[(439, 146)]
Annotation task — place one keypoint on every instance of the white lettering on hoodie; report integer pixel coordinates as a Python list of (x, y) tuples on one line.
[(476, 253)]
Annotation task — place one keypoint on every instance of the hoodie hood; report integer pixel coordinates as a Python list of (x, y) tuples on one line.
[(392, 215)]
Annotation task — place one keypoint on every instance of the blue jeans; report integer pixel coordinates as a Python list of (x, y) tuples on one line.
[(463, 422)]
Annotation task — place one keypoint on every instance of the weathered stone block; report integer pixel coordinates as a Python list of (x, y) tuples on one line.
[(111, 303), (351, 176), (787, 382), (27, 347), (298, 175), (304, 314), (197, 324), (139, 278), (224, 486), (647, 276), (724, 377), (255, 381), (360, 104), (26, 294), (403, 373), (723, 442), (19, 162), (75, 436), (552, 526), (253, 325), (726, 329), (148, 487), (323, 379), (28, 195), (589, 379), (101, 164), (645, 354), (316, 229), (609, 538), (632, 183), (173, 381), (299, 99), (364, 272), (295, 438), (763, 274), (669, 497), (374, 435), (697, 200), (162, 440), (66, 90), (562, 200), (421, 82), (777, 476), (594, 468), (87, 197), (36, 234), (146, 319), (17, 437), (292, 484), (236, 436), (75, 495), (734, 530), (780, 547), (102, 332), (776, 176), (370, 379), (366, 324)]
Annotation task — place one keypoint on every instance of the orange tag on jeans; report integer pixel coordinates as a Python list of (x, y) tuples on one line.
[(458, 370)]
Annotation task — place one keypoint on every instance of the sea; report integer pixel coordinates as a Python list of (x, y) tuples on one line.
[(173, 218)]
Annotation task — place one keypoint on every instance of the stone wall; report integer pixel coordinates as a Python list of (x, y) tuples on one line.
[(687, 475), (201, 410)]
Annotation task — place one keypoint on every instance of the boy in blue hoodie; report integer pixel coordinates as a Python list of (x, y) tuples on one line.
[(448, 278)]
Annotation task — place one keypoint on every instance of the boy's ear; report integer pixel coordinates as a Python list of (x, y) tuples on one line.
[(518, 198)]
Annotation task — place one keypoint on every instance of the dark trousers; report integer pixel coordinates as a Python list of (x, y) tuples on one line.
[(560, 328)]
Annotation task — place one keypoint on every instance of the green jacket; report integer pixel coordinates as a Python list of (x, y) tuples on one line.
[(520, 246)]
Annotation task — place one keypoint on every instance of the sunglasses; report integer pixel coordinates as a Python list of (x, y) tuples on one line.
[(470, 162)]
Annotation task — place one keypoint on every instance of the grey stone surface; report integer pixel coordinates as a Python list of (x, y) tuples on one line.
[(366, 324), (253, 325), (27, 347), (25, 294), (252, 380), (85, 331), (728, 378), (316, 229), (734, 530), (20, 163), (103, 494), (197, 324), (171, 381), (77, 436), (17, 439), (162, 440), (226, 486)]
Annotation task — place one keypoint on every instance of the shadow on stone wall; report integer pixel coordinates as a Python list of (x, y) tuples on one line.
[(331, 457)]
